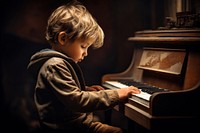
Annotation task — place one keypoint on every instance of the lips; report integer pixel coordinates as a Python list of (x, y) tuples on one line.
[(80, 60)]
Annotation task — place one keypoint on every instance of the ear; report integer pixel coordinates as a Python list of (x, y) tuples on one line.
[(62, 38)]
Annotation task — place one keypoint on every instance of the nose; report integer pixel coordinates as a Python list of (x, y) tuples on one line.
[(85, 53)]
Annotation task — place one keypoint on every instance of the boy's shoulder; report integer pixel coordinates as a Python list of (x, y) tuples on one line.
[(55, 60), (59, 61)]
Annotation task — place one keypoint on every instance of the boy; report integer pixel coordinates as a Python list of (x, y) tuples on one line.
[(63, 101)]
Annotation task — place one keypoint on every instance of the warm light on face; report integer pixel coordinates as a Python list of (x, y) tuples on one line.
[(77, 50)]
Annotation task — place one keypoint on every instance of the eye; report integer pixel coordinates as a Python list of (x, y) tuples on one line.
[(83, 46)]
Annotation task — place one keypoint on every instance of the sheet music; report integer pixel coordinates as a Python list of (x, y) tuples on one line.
[(166, 61)]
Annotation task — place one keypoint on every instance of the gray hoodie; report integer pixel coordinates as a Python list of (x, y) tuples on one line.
[(60, 95)]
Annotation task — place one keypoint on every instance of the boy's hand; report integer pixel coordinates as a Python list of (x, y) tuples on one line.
[(94, 88), (126, 92)]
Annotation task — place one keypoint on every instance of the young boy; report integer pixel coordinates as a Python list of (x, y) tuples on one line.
[(63, 101)]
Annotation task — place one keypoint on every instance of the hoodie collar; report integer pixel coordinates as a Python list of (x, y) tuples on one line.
[(39, 58)]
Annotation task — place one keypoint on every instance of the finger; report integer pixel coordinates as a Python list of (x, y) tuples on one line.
[(101, 88), (98, 87), (135, 90)]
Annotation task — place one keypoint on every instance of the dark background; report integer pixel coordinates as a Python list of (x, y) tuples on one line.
[(23, 24)]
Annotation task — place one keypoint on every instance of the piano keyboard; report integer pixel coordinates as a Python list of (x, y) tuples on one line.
[(117, 85), (146, 90)]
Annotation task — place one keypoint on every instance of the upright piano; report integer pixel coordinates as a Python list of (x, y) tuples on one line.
[(166, 67)]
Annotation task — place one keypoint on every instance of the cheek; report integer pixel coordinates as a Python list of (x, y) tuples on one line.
[(77, 53)]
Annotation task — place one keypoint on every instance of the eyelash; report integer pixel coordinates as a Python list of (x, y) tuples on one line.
[(83, 47)]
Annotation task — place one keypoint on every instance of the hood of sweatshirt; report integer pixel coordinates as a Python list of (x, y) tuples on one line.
[(39, 58)]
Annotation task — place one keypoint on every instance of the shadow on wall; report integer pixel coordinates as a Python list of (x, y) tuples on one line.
[(18, 110)]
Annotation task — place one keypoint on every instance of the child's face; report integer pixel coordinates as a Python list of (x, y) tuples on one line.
[(78, 49)]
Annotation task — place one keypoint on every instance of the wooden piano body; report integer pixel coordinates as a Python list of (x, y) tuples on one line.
[(178, 108)]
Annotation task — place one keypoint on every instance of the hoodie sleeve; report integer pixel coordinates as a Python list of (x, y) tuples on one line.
[(62, 82)]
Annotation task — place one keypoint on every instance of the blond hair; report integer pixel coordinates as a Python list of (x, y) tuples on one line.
[(77, 22)]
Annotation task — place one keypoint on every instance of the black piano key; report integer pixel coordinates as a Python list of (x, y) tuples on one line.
[(143, 86)]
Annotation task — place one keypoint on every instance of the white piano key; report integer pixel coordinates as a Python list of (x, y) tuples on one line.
[(143, 95), (116, 84)]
